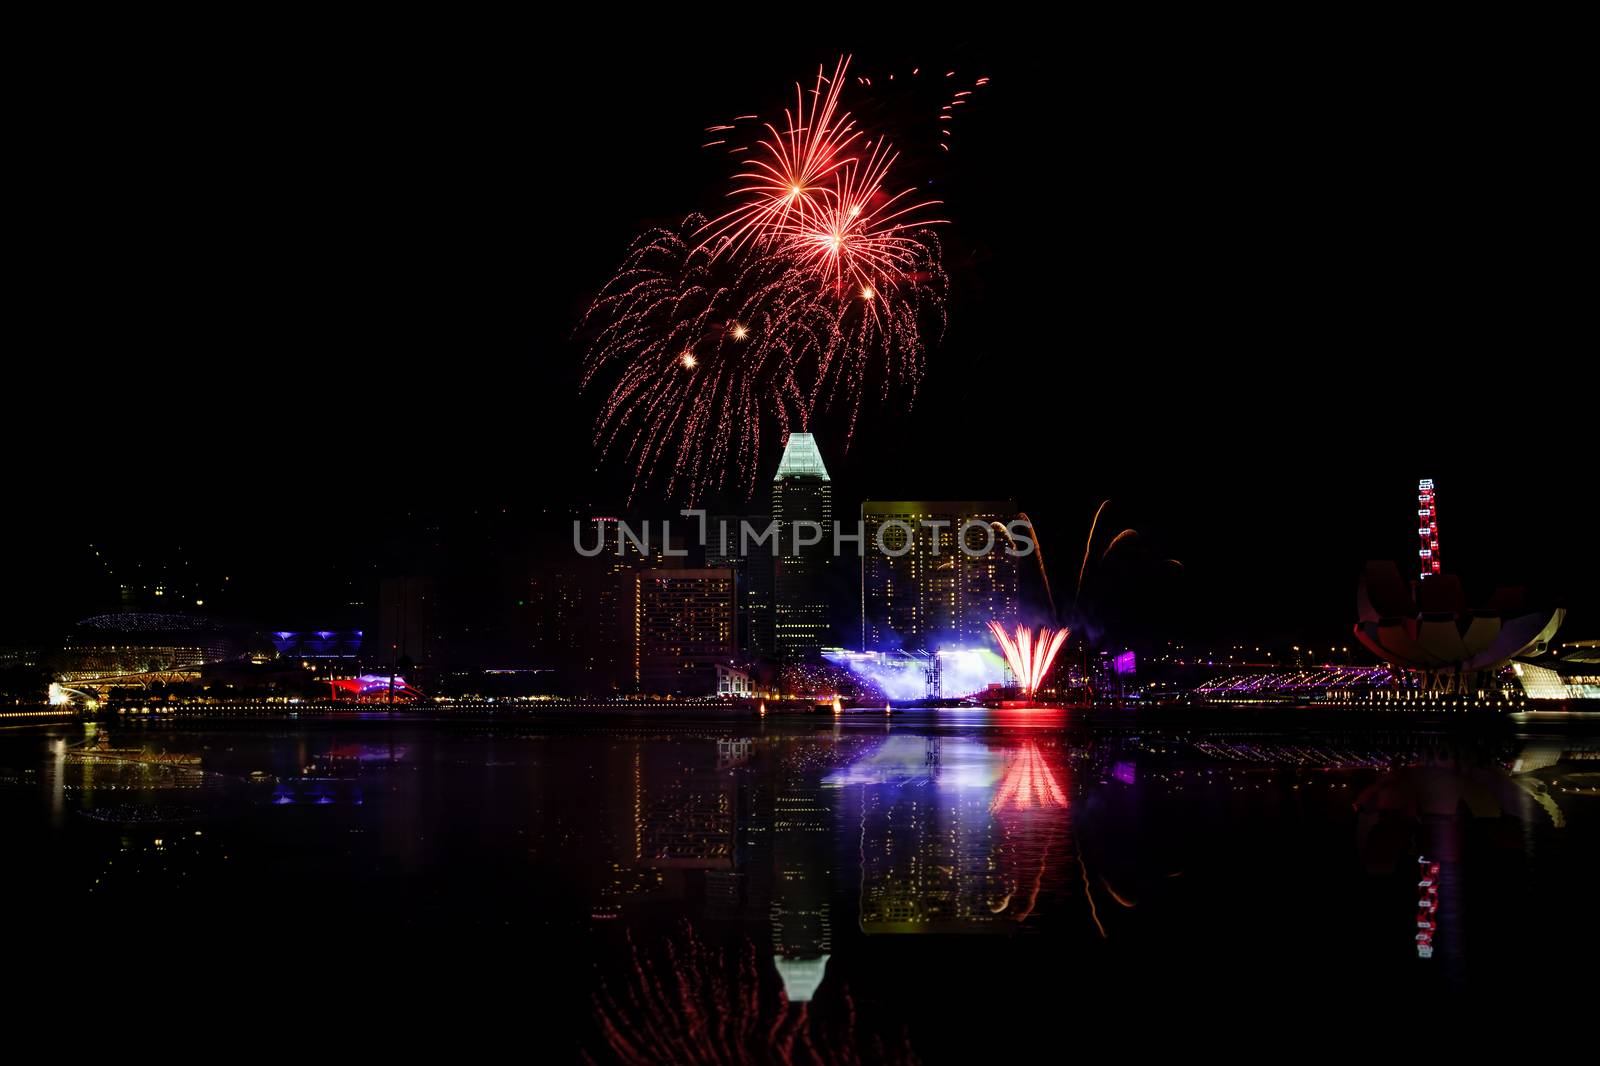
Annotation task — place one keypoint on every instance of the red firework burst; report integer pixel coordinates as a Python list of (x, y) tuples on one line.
[(814, 287), (784, 182), (861, 236), (708, 358)]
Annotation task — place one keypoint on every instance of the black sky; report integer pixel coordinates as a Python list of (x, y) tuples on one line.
[(297, 302)]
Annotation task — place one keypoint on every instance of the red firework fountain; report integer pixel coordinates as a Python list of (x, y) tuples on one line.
[(1030, 657)]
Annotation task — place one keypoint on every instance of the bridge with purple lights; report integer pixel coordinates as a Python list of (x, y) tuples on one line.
[(1312, 681)]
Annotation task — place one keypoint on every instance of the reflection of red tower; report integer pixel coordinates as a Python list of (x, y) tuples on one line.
[(1428, 527), (1427, 905)]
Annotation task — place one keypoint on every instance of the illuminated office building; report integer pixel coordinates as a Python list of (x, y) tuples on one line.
[(801, 493), (752, 578), (683, 630), (930, 593)]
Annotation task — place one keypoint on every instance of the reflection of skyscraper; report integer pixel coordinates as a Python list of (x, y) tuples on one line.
[(957, 837), (802, 835), (928, 860), (683, 808), (932, 593), (745, 893), (801, 494)]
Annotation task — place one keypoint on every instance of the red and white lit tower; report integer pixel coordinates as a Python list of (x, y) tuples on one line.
[(1428, 527)]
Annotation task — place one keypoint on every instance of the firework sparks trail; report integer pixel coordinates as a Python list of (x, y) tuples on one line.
[(1088, 894), (1118, 539), (719, 335), (787, 181), (1030, 658), (1038, 550), (706, 357), (860, 238), (1087, 544)]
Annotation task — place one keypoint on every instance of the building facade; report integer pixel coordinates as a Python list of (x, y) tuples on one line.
[(752, 578), (683, 630), (923, 591), (801, 494)]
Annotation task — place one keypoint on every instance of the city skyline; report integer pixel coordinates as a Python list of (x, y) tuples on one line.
[(680, 541), (1232, 593), (1253, 391)]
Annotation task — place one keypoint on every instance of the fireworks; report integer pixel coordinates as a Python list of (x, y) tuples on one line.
[(1038, 551), (1118, 539), (860, 235), (810, 294), (708, 355), (786, 182), (1086, 546), (1030, 657)]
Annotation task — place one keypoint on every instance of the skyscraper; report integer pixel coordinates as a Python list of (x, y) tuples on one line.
[(584, 606), (408, 622), (932, 593), (801, 493), (683, 628), (752, 579)]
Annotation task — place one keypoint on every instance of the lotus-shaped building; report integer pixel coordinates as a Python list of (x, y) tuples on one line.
[(1425, 627)]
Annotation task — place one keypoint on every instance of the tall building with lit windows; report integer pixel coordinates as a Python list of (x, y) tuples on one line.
[(752, 577), (920, 590), (801, 493), (683, 630)]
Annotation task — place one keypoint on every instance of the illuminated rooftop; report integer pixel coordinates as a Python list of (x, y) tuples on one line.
[(801, 458)]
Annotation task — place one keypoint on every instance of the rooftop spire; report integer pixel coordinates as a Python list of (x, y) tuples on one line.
[(801, 457)]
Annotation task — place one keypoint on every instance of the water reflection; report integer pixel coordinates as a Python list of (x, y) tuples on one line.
[(774, 885), (955, 835), (689, 1001)]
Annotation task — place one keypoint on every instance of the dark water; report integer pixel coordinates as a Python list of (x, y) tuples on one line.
[(794, 889)]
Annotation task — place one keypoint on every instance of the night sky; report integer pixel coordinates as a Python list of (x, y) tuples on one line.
[(302, 316)]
